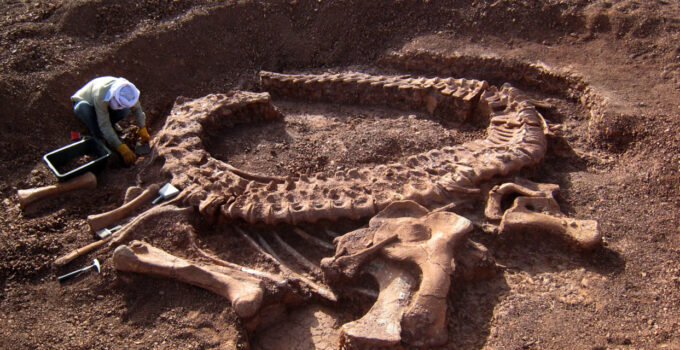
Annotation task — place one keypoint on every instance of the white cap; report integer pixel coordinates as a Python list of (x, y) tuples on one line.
[(122, 94)]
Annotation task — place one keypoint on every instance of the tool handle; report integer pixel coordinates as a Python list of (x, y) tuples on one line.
[(100, 221), (63, 278), (28, 196), (80, 251)]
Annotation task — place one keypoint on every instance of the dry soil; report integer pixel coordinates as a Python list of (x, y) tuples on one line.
[(620, 168)]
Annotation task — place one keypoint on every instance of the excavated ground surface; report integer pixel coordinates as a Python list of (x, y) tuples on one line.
[(328, 138), (621, 169)]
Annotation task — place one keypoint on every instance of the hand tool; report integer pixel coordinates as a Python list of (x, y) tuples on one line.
[(95, 264), (166, 192), (28, 196), (105, 232), (142, 148)]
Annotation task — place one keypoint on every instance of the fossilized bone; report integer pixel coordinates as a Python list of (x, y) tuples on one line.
[(243, 291), (381, 326), (416, 236), (402, 232), (537, 210), (515, 139), (99, 221)]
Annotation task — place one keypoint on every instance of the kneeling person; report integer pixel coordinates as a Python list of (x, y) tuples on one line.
[(103, 102)]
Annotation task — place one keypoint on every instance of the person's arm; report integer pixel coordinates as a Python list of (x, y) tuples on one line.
[(140, 117), (141, 122), (103, 120)]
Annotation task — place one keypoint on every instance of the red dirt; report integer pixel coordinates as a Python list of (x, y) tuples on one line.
[(621, 168)]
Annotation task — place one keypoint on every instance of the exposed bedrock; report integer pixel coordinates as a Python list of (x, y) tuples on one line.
[(515, 139)]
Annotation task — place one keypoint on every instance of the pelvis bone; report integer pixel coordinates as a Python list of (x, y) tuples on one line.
[(403, 234)]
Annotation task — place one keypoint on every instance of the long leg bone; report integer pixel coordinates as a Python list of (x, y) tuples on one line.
[(244, 292)]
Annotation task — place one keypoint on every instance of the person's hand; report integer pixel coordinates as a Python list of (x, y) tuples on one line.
[(144, 136), (128, 156)]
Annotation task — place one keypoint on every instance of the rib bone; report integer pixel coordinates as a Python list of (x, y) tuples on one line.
[(278, 280), (299, 257), (272, 256), (314, 240)]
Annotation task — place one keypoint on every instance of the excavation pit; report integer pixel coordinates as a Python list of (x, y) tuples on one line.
[(614, 156), (375, 201)]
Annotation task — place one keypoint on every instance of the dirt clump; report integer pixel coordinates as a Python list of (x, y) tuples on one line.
[(75, 163)]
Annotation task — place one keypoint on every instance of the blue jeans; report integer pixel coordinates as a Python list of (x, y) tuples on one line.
[(86, 113)]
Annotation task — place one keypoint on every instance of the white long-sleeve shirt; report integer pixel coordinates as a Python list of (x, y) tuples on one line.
[(94, 93)]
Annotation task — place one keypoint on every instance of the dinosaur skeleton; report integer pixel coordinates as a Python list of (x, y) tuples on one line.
[(407, 203)]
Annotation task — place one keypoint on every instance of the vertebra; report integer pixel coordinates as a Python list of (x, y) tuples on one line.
[(515, 139)]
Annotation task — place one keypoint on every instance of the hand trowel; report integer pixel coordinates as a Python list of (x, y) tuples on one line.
[(166, 192), (142, 148)]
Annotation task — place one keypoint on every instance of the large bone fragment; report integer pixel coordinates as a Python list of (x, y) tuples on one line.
[(522, 187), (405, 232), (100, 221), (537, 210), (381, 326), (28, 196), (542, 214), (244, 292)]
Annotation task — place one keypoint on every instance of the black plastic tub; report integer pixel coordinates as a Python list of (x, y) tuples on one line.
[(60, 160)]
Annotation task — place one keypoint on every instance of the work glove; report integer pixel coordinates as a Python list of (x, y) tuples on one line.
[(128, 156), (143, 135)]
